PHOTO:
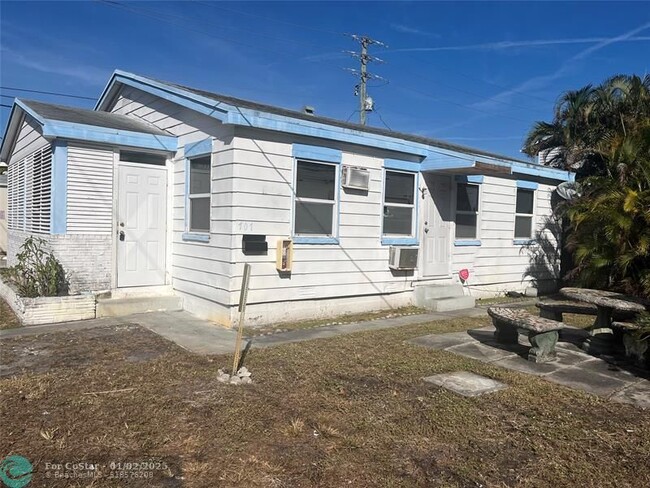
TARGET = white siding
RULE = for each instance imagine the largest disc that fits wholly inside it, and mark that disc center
(29, 139)
(201, 271)
(262, 204)
(90, 190)
(499, 264)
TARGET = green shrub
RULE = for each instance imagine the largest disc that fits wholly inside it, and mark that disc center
(38, 272)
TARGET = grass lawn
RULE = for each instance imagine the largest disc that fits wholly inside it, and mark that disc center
(347, 411)
(7, 318)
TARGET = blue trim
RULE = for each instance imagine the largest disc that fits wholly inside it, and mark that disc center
(477, 179)
(206, 106)
(59, 196)
(199, 148)
(399, 241)
(467, 242)
(401, 165)
(544, 172)
(253, 118)
(315, 240)
(68, 130)
(437, 159)
(317, 153)
(189, 236)
(523, 242)
(528, 185)
(187, 196)
(29, 111)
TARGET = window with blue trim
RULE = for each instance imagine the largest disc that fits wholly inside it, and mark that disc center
(316, 199)
(198, 194)
(467, 208)
(399, 204)
(524, 213)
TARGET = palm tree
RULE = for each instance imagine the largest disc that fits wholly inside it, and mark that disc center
(603, 134)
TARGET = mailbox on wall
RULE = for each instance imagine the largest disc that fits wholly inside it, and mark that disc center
(284, 256)
(254, 244)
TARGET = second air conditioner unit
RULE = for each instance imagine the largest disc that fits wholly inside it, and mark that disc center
(402, 257)
(356, 178)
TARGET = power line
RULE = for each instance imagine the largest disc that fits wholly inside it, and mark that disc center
(41, 92)
(4, 105)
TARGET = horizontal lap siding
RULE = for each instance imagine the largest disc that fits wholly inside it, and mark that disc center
(199, 269)
(262, 204)
(28, 141)
(90, 190)
(498, 261)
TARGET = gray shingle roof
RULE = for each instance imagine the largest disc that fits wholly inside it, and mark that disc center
(91, 117)
(239, 102)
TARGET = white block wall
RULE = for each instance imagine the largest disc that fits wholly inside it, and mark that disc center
(85, 258)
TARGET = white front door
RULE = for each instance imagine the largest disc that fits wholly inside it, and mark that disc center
(436, 236)
(141, 225)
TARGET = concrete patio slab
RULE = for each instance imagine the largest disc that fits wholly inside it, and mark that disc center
(574, 368)
(482, 352)
(522, 365)
(465, 383)
(598, 384)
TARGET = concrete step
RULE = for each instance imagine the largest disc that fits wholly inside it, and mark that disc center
(424, 293)
(447, 304)
(118, 307)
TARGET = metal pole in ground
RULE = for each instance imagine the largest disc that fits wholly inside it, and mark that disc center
(243, 296)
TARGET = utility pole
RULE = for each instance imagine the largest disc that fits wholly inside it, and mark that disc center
(361, 89)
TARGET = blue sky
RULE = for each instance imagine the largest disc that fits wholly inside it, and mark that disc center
(477, 74)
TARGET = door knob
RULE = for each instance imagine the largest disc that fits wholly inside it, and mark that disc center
(122, 236)
(426, 229)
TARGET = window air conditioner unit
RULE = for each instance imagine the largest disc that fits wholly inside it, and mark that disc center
(356, 178)
(400, 257)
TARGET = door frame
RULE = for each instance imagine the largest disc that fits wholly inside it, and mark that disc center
(429, 203)
(167, 215)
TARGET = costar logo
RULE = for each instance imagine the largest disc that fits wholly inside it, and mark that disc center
(15, 471)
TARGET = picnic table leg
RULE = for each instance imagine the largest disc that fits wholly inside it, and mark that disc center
(601, 335)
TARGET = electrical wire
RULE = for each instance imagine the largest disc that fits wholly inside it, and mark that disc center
(41, 92)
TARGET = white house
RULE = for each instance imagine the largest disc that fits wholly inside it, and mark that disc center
(170, 190)
(3, 215)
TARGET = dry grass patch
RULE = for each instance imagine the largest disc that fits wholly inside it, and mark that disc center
(347, 411)
(8, 319)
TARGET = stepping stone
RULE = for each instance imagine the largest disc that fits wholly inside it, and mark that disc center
(441, 341)
(465, 383)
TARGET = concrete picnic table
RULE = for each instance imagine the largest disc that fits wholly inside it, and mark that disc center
(607, 302)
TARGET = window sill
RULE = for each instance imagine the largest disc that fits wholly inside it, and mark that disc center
(523, 242)
(194, 237)
(467, 242)
(315, 240)
(399, 241)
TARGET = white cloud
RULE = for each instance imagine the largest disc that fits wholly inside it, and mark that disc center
(407, 29)
(46, 63)
(504, 45)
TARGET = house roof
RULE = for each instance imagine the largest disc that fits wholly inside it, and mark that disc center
(84, 116)
(252, 105)
(72, 123)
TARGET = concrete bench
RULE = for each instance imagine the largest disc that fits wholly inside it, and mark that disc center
(636, 345)
(542, 332)
(553, 309)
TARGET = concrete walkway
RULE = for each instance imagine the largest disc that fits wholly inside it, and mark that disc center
(203, 337)
(574, 368)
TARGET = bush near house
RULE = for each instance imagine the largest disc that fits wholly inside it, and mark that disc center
(603, 134)
(38, 272)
